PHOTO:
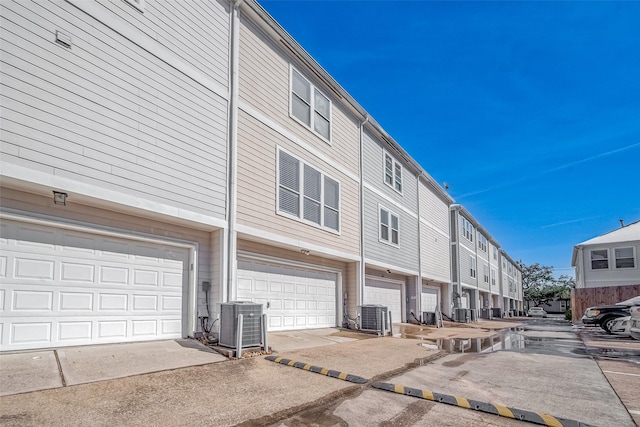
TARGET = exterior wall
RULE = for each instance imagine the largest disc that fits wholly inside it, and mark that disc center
(265, 126)
(264, 91)
(84, 114)
(435, 242)
(405, 255)
(377, 193)
(611, 276)
(494, 264)
(27, 204)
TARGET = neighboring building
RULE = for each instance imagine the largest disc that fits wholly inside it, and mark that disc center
(608, 260)
(160, 160)
(122, 114)
(510, 284)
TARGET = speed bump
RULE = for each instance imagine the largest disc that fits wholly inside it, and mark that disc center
(318, 370)
(503, 411)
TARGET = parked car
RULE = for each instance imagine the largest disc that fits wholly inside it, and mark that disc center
(536, 312)
(634, 327)
(621, 326)
(605, 315)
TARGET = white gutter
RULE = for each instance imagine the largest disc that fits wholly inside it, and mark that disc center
(418, 312)
(232, 173)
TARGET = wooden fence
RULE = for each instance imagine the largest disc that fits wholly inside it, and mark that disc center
(583, 298)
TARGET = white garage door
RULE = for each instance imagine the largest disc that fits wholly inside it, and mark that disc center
(292, 298)
(62, 287)
(385, 293)
(429, 299)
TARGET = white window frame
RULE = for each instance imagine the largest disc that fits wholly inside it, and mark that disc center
(591, 258)
(495, 253)
(390, 213)
(138, 4)
(493, 277)
(313, 88)
(300, 217)
(473, 267)
(467, 229)
(485, 273)
(395, 178)
(615, 258)
(482, 243)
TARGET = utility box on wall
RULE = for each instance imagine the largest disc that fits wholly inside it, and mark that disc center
(251, 323)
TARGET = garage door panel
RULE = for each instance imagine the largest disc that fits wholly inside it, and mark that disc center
(385, 293)
(61, 287)
(429, 299)
(293, 297)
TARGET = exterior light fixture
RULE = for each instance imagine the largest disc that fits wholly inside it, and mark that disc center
(60, 198)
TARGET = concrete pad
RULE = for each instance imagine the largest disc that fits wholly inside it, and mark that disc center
(543, 334)
(293, 340)
(103, 362)
(28, 371)
(366, 358)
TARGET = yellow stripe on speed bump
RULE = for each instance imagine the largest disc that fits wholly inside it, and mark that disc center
(278, 359)
(551, 420)
(307, 367)
(463, 403)
(399, 389)
(324, 371)
(504, 411)
(343, 375)
(428, 395)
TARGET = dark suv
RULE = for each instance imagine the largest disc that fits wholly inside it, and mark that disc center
(605, 315)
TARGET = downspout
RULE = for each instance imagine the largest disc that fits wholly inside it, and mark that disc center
(419, 284)
(361, 282)
(232, 173)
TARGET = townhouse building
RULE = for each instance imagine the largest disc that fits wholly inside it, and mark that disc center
(160, 159)
(483, 274)
(113, 169)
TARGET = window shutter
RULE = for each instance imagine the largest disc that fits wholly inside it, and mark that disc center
(312, 191)
(331, 204)
(289, 184)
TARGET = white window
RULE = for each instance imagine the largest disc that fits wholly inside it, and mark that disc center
(493, 277)
(472, 266)
(600, 259)
(485, 271)
(392, 173)
(467, 229)
(482, 242)
(625, 257)
(307, 194)
(310, 106)
(389, 227)
(495, 253)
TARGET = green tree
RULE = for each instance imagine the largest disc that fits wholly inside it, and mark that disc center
(540, 287)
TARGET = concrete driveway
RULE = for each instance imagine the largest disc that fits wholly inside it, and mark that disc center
(27, 371)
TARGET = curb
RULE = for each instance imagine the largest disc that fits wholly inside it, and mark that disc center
(318, 370)
(503, 411)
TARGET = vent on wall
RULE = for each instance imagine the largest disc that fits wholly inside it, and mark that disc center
(251, 323)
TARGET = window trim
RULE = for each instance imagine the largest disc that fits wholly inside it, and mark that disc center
(615, 258)
(301, 218)
(495, 253)
(312, 89)
(394, 164)
(467, 229)
(485, 273)
(390, 240)
(591, 259)
(473, 267)
(493, 273)
(482, 242)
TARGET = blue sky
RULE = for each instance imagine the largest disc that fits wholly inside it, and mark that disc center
(529, 111)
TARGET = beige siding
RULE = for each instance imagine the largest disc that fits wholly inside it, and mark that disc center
(433, 209)
(264, 85)
(350, 287)
(106, 112)
(257, 187)
(39, 205)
